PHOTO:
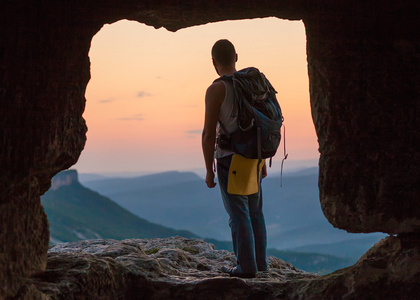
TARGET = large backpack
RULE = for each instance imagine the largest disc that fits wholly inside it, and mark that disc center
(259, 116)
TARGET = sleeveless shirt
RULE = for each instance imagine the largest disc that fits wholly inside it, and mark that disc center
(228, 116)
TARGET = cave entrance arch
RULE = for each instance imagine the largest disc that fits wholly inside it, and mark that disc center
(362, 62)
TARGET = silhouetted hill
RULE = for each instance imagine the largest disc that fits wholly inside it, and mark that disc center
(75, 213)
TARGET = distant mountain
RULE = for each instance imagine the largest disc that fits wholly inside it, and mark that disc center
(312, 262)
(75, 212)
(303, 172)
(181, 200)
(83, 177)
(352, 249)
(174, 199)
(122, 184)
(291, 168)
(294, 215)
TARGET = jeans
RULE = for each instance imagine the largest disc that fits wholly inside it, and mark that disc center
(247, 223)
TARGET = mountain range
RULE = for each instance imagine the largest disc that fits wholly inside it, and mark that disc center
(75, 212)
(181, 200)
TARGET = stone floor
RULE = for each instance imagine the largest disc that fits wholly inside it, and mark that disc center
(169, 268)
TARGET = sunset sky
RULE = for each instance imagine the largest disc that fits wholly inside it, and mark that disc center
(145, 100)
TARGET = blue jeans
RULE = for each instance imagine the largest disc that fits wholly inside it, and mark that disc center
(247, 223)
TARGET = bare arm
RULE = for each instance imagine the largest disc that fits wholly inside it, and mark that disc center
(215, 96)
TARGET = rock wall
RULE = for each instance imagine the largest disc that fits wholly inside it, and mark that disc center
(363, 62)
(44, 72)
(364, 87)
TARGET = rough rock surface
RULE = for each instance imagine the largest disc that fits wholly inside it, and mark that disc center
(364, 86)
(180, 268)
(363, 65)
(170, 268)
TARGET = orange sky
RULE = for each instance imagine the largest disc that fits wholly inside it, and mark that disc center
(145, 101)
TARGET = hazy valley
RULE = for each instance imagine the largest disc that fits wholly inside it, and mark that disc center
(179, 203)
(181, 200)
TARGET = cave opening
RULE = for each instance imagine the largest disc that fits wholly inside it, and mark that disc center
(145, 99)
(145, 105)
(145, 110)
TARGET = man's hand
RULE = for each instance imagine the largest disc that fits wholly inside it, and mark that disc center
(210, 179)
(264, 171)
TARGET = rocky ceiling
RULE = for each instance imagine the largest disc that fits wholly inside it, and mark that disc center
(363, 65)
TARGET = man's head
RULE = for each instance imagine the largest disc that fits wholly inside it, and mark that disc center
(224, 54)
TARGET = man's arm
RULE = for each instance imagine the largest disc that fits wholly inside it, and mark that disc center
(215, 96)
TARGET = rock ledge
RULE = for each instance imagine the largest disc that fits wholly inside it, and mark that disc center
(181, 268)
(169, 268)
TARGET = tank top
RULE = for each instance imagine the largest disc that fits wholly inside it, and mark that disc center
(228, 116)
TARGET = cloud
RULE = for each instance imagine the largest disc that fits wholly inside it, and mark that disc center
(196, 131)
(142, 94)
(106, 100)
(138, 117)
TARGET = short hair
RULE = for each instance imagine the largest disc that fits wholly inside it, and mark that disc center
(224, 52)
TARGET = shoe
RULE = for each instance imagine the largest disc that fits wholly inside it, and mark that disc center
(233, 272)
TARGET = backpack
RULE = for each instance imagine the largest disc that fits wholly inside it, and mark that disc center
(259, 116)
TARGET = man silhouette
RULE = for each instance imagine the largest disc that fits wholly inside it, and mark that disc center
(246, 218)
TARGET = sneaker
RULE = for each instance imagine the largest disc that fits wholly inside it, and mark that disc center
(233, 272)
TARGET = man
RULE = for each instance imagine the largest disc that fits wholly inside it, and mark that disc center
(246, 219)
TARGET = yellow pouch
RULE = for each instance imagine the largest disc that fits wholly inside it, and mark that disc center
(243, 178)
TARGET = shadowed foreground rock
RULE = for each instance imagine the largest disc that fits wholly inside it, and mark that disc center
(180, 268)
